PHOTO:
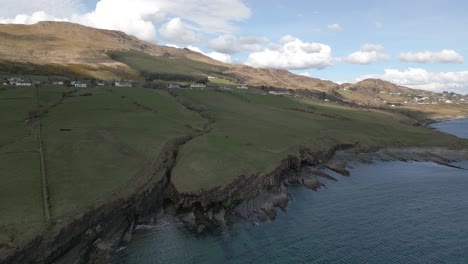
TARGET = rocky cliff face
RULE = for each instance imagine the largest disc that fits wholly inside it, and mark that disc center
(94, 237)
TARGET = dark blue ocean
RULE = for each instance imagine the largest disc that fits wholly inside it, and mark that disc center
(388, 212)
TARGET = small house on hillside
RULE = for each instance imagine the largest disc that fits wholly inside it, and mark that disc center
(80, 84)
(173, 86)
(279, 93)
(16, 81)
(122, 84)
(23, 83)
(197, 85)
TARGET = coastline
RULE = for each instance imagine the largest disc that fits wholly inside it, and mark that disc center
(431, 121)
(95, 236)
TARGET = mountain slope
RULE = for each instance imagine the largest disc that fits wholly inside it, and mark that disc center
(375, 92)
(78, 51)
(278, 78)
(66, 44)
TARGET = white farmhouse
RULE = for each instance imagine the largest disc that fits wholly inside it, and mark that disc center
(278, 93)
(80, 85)
(197, 85)
(122, 84)
(173, 86)
(18, 81)
(23, 83)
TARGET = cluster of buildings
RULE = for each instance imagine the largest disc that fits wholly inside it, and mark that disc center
(279, 92)
(387, 97)
(17, 81)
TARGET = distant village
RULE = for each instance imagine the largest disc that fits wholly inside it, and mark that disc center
(398, 98)
(392, 99)
(21, 81)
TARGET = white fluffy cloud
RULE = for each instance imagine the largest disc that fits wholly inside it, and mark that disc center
(444, 56)
(293, 55)
(422, 79)
(31, 19)
(368, 54)
(220, 56)
(138, 17)
(335, 27)
(229, 44)
(214, 55)
(306, 74)
(177, 31)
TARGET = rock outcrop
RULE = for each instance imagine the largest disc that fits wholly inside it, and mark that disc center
(94, 237)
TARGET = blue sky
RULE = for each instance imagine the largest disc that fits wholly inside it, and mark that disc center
(421, 44)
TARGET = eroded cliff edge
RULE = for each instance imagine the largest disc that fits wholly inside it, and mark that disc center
(92, 238)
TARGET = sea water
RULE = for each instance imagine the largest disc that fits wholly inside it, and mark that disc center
(387, 212)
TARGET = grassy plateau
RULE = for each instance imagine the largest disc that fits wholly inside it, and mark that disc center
(99, 144)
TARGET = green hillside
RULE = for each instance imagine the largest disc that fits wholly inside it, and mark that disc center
(167, 68)
(253, 132)
(99, 144)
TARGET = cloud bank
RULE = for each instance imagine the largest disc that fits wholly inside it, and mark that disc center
(183, 20)
(177, 31)
(368, 54)
(293, 54)
(444, 56)
(214, 55)
(229, 44)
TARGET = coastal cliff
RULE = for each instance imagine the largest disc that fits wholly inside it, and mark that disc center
(94, 237)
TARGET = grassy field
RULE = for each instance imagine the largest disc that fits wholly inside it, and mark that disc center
(99, 144)
(20, 188)
(222, 81)
(166, 68)
(102, 143)
(435, 112)
(252, 133)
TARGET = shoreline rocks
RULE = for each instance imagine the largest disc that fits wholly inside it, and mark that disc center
(96, 236)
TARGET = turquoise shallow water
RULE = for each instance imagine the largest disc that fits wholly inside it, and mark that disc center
(390, 212)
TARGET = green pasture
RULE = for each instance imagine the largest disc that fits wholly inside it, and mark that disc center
(166, 68)
(253, 132)
(101, 144)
